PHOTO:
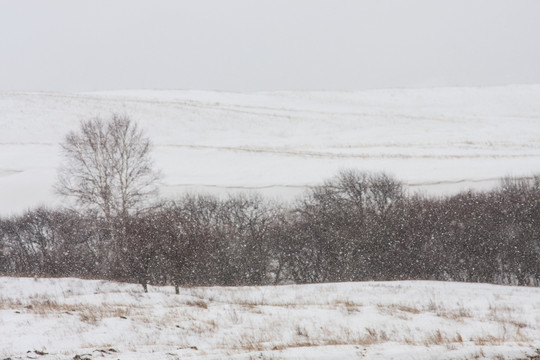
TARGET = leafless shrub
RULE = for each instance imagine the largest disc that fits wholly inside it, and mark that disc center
(354, 227)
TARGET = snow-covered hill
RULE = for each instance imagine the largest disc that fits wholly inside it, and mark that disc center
(278, 143)
(88, 319)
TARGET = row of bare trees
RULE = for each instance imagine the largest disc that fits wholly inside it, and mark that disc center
(354, 227)
(365, 227)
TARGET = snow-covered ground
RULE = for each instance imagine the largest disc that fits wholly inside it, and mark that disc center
(438, 140)
(88, 319)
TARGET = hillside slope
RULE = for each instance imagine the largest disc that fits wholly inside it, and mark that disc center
(278, 143)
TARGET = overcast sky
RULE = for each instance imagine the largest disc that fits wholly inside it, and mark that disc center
(257, 45)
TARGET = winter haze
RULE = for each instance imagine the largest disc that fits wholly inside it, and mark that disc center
(274, 97)
(241, 45)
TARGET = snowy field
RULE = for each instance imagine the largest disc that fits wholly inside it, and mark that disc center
(279, 143)
(88, 319)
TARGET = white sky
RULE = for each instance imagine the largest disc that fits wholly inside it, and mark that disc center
(254, 45)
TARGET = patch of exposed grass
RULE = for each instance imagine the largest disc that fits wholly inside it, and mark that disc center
(198, 303)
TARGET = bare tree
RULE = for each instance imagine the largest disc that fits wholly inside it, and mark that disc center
(107, 167)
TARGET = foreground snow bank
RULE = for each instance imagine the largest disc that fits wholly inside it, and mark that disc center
(89, 319)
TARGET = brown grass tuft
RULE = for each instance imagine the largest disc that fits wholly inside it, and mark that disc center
(198, 303)
(436, 338)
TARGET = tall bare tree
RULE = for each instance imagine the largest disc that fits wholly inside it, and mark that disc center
(108, 167)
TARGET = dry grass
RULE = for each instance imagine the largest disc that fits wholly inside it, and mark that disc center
(10, 304)
(237, 321)
(91, 314)
(436, 338)
(349, 305)
(303, 339)
(403, 312)
(459, 314)
(487, 340)
(198, 303)
(440, 338)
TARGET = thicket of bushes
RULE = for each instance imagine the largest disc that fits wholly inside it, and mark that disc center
(354, 227)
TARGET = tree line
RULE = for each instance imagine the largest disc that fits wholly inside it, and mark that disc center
(354, 227)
